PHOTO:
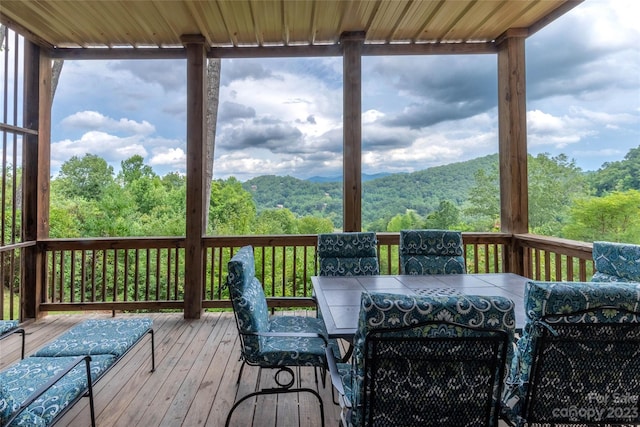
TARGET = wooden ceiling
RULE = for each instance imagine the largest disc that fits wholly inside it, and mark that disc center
(263, 23)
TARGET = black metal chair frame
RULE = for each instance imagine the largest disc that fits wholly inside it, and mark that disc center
(550, 336)
(498, 339)
(283, 386)
(15, 331)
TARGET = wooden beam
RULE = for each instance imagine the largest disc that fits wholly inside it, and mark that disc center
(352, 131)
(196, 89)
(514, 203)
(302, 51)
(36, 180)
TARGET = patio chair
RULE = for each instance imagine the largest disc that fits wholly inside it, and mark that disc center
(578, 360)
(348, 254)
(274, 342)
(426, 361)
(431, 252)
(616, 262)
(10, 327)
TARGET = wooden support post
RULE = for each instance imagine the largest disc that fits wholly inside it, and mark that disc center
(196, 135)
(352, 131)
(36, 151)
(514, 200)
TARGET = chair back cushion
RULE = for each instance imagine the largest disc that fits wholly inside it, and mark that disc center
(246, 293)
(577, 323)
(348, 254)
(450, 391)
(431, 252)
(616, 262)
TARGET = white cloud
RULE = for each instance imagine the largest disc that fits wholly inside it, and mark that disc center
(96, 121)
(583, 88)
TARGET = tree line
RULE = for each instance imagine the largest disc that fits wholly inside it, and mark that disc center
(88, 199)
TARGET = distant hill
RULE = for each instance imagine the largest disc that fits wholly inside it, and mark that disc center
(365, 177)
(383, 197)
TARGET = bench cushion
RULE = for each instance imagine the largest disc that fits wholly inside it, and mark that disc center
(98, 336)
(20, 380)
(7, 325)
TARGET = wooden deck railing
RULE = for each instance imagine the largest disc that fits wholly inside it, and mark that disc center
(553, 259)
(148, 273)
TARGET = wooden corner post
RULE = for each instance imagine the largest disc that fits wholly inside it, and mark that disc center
(512, 121)
(196, 140)
(352, 130)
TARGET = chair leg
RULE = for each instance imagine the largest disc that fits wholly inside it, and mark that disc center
(21, 332)
(278, 391)
(240, 373)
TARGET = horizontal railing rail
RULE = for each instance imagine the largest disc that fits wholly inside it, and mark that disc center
(554, 259)
(147, 273)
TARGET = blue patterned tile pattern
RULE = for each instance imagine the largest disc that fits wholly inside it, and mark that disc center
(431, 252)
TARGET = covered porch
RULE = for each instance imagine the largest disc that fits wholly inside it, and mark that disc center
(185, 273)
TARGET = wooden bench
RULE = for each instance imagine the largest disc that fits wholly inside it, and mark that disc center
(38, 390)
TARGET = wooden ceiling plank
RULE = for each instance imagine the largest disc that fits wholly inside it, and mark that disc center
(251, 23)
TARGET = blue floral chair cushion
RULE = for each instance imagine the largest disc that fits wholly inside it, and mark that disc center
(562, 301)
(262, 346)
(387, 311)
(431, 252)
(20, 380)
(616, 262)
(7, 325)
(348, 254)
(98, 336)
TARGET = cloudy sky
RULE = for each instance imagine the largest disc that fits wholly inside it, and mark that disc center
(283, 116)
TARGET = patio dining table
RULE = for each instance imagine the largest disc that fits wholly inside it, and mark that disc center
(339, 296)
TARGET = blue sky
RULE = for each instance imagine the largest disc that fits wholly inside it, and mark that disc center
(283, 116)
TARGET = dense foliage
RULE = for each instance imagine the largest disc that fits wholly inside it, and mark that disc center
(88, 200)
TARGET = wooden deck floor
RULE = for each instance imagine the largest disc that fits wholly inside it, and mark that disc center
(194, 383)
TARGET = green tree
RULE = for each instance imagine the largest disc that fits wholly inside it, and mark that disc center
(231, 208)
(554, 183)
(483, 205)
(620, 176)
(314, 225)
(614, 217)
(409, 220)
(134, 169)
(85, 177)
(447, 216)
(276, 221)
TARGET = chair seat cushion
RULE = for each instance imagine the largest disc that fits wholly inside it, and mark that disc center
(98, 336)
(292, 351)
(21, 379)
(7, 325)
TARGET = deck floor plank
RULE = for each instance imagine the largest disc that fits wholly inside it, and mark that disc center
(197, 365)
